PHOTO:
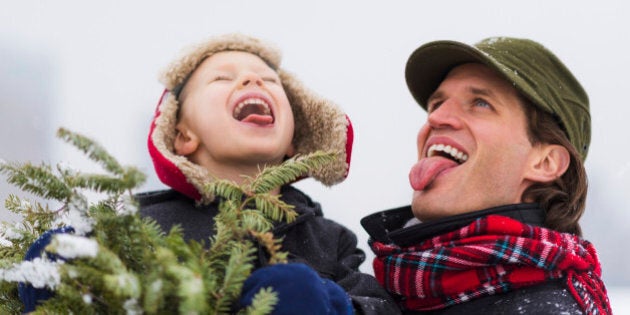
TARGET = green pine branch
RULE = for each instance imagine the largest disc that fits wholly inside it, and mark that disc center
(121, 263)
(273, 177)
(39, 180)
(92, 149)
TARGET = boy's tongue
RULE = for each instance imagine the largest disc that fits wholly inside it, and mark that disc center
(258, 119)
(424, 172)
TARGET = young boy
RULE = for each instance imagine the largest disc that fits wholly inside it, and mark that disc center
(228, 111)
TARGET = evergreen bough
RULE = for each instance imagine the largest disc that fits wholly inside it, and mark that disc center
(119, 263)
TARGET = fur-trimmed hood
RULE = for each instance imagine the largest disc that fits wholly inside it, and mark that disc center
(319, 123)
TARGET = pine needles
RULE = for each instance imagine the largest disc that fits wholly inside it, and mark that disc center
(124, 264)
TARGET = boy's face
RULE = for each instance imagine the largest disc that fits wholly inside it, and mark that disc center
(234, 113)
(480, 115)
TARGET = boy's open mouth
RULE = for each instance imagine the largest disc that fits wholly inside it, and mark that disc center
(253, 110)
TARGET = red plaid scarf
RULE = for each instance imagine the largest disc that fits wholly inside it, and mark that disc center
(494, 254)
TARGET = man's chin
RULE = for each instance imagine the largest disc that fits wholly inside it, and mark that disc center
(424, 211)
(429, 209)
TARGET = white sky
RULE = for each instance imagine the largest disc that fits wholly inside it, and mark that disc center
(106, 56)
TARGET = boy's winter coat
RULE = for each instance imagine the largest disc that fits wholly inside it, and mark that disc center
(327, 247)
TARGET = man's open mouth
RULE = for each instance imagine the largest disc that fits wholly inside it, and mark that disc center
(448, 152)
(253, 110)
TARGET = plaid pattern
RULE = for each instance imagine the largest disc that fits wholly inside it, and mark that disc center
(494, 254)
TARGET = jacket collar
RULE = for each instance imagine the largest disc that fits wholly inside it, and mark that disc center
(389, 226)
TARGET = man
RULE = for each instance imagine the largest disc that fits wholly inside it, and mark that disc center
(499, 187)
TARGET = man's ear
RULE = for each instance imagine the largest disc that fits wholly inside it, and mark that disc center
(549, 161)
(186, 142)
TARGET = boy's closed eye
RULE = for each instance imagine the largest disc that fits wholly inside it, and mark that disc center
(221, 77)
(270, 79)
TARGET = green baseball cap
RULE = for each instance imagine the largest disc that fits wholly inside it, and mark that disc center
(532, 69)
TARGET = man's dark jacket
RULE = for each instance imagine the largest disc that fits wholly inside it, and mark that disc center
(326, 246)
(553, 297)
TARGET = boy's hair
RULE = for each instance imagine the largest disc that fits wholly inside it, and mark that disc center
(320, 125)
(563, 199)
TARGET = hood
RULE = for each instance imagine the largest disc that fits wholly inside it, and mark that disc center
(319, 123)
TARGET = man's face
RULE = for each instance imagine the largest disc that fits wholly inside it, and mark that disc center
(473, 151)
(235, 109)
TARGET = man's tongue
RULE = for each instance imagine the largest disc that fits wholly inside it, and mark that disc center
(258, 119)
(425, 171)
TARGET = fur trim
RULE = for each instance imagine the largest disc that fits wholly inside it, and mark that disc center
(176, 74)
(319, 123)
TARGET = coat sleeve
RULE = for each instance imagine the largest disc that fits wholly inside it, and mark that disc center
(368, 296)
(331, 249)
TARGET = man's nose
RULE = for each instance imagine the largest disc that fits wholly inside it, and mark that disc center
(448, 114)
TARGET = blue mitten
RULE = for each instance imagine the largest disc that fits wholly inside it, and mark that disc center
(28, 294)
(300, 290)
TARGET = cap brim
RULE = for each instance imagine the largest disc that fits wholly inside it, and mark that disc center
(430, 63)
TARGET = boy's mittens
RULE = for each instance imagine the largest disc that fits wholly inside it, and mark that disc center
(28, 294)
(300, 290)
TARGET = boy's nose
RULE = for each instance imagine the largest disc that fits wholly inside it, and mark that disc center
(251, 78)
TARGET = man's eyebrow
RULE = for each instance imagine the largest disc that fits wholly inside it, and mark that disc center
(473, 90)
(480, 91)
